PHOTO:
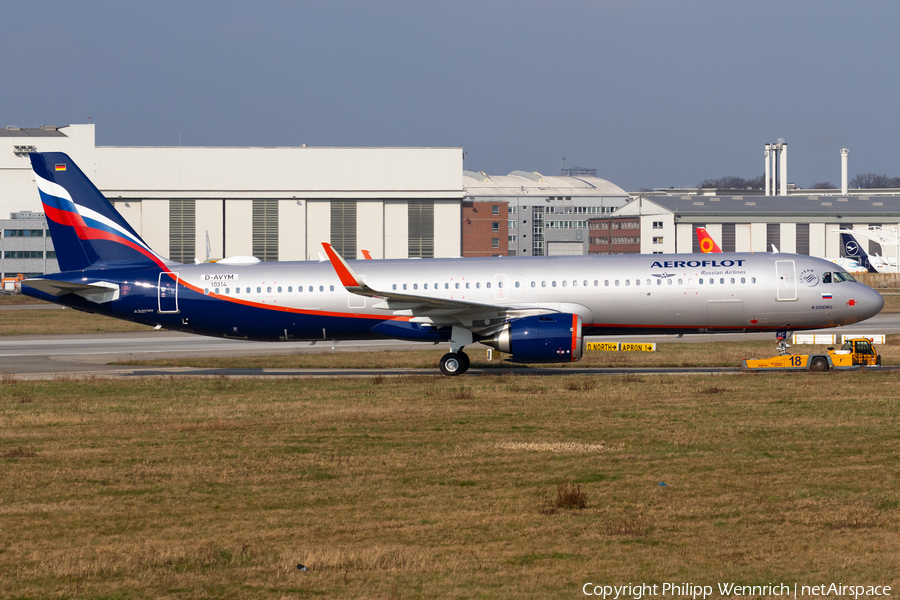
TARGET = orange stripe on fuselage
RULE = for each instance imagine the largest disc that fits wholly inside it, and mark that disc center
(287, 309)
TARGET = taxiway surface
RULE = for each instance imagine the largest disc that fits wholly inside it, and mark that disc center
(90, 354)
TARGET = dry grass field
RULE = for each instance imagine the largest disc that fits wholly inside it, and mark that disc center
(432, 487)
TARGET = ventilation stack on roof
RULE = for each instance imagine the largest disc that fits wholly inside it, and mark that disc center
(845, 155)
(772, 170)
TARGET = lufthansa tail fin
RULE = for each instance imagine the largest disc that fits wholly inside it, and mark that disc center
(853, 249)
(86, 230)
(707, 244)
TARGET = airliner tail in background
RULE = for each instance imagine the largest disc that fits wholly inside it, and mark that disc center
(854, 250)
(707, 243)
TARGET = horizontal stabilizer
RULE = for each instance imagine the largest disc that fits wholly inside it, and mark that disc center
(99, 291)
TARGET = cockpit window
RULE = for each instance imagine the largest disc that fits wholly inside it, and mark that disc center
(836, 277)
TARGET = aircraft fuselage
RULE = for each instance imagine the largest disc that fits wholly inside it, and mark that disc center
(625, 294)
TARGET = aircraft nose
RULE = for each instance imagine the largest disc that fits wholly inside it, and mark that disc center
(871, 302)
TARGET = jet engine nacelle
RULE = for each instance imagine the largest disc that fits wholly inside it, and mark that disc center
(549, 338)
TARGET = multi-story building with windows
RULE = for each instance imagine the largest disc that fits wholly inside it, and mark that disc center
(25, 245)
(529, 214)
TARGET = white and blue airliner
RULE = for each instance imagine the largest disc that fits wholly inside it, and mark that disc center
(537, 309)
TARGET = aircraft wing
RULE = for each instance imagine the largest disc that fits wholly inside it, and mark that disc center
(425, 309)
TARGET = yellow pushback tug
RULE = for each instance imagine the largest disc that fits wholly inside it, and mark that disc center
(855, 353)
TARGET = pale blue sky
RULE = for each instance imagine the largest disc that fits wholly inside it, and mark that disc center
(650, 93)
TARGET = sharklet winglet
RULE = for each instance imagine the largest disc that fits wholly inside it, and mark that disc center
(350, 280)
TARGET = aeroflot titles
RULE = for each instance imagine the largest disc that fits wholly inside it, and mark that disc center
(674, 264)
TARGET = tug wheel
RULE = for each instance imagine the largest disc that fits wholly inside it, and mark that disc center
(818, 364)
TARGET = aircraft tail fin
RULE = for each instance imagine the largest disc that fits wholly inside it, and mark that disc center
(707, 243)
(86, 230)
(853, 249)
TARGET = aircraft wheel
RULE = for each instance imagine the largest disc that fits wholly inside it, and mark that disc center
(465, 361)
(818, 364)
(452, 364)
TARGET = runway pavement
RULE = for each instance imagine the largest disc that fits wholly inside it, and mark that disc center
(89, 354)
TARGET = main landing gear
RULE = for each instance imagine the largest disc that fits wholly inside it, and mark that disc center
(456, 362)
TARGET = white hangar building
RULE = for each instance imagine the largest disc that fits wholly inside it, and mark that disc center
(801, 224)
(273, 203)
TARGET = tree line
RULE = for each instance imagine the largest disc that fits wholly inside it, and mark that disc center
(861, 181)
